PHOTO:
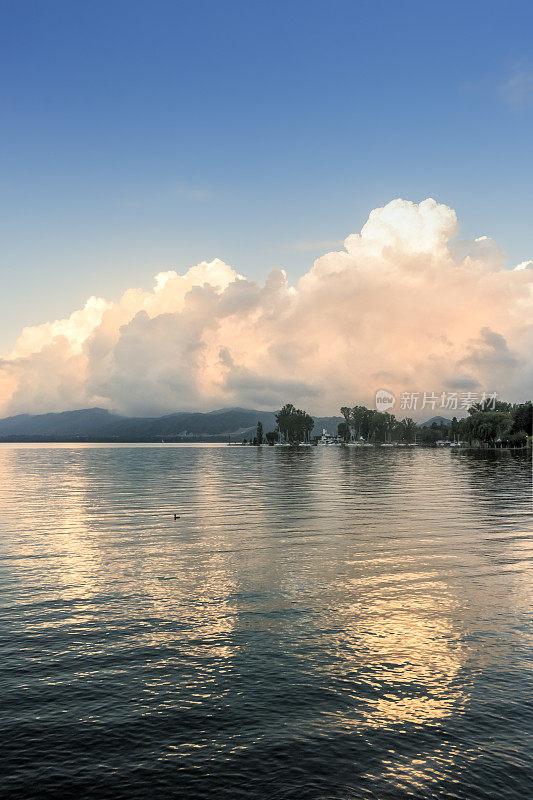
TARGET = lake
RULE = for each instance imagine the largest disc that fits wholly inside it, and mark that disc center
(319, 623)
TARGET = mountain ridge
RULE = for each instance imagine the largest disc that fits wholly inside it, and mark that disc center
(98, 424)
(438, 420)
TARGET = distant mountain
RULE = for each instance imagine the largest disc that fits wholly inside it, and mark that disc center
(97, 424)
(438, 420)
(89, 421)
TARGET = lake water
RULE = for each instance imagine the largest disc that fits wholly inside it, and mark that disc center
(319, 623)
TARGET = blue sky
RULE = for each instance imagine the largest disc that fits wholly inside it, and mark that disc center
(140, 136)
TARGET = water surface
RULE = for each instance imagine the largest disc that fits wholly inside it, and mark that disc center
(319, 623)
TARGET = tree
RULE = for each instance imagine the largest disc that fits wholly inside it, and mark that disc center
(454, 427)
(486, 426)
(360, 421)
(508, 424)
(307, 424)
(259, 434)
(430, 434)
(346, 413)
(522, 418)
(294, 424)
(285, 420)
(488, 406)
(343, 430)
(389, 425)
(378, 426)
(405, 429)
(374, 425)
(516, 439)
(465, 429)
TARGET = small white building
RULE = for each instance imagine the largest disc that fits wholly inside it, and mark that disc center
(329, 439)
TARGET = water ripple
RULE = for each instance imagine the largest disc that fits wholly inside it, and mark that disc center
(317, 624)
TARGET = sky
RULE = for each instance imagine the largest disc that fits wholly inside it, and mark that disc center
(143, 137)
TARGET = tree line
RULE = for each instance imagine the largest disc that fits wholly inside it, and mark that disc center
(502, 424)
(507, 424)
(375, 426)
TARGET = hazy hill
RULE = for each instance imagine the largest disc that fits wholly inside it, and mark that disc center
(97, 424)
(87, 422)
(439, 420)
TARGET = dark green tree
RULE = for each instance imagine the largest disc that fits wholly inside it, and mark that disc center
(343, 430)
(294, 424)
(347, 414)
(405, 430)
(454, 428)
(486, 427)
(522, 418)
(360, 418)
(487, 406)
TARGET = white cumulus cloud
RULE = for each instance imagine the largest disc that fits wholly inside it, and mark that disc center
(400, 306)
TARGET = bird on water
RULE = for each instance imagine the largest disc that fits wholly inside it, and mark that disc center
(176, 516)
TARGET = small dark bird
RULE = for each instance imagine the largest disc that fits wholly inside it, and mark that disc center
(176, 516)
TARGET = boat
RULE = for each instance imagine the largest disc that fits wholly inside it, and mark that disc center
(327, 440)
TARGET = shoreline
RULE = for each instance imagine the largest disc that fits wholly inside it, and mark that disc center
(6, 443)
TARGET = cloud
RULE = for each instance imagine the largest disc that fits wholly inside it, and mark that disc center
(398, 307)
(490, 356)
(517, 90)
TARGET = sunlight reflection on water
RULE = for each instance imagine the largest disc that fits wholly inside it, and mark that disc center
(318, 623)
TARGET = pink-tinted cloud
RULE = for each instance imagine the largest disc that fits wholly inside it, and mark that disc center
(401, 306)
